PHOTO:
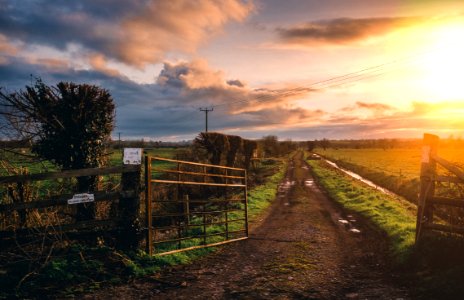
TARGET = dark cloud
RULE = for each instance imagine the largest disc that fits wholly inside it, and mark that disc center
(375, 107)
(342, 30)
(169, 107)
(235, 82)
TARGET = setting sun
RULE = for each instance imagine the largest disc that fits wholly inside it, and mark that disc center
(443, 63)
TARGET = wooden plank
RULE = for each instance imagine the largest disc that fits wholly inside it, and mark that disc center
(58, 228)
(448, 165)
(148, 207)
(69, 173)
(451, 179)
(35, 238)
(447, 201)
(56, 201)
(427, 185)
(245, 194)
(445, 228)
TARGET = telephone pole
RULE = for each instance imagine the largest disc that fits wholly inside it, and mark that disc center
(206, 110)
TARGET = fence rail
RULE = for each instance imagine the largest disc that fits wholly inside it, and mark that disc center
(208, 206)
(126, 199)
(69, 174)
(428, 180)
(195, 223)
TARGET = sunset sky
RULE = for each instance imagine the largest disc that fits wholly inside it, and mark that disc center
(340, 69)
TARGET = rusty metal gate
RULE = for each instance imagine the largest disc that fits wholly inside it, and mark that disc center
(192, 205)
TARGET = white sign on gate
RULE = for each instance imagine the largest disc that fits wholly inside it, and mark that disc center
(132, 156)
(81, 198)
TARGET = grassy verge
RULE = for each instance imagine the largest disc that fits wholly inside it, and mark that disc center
(261, 196)
(407, 187)
(392, 215)
(434, 269)
(78, 268)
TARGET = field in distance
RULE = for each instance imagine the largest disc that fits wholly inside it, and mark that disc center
(397, 162)
(11, 162)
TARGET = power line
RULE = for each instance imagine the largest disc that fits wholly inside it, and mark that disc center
(326, 83)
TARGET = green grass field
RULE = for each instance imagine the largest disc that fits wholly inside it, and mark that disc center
(395, 169)
(11, 163)
(396, 162)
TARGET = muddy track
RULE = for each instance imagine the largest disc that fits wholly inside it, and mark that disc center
(297, 250)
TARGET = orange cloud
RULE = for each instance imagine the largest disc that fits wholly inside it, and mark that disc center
(6, 47)
(195, 75)
(48, 63)
(200, 85)
(99, 63)
(174, 26)
(422, 117)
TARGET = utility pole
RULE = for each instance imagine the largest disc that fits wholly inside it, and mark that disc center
(119, 143)
(206, 110)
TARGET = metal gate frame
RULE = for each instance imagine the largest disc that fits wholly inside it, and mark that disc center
(209, 175)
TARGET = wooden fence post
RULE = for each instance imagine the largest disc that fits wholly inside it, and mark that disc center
(427, 184)
(129, 211)
(86, 211)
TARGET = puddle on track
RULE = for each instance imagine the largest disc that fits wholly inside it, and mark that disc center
(309, 182)
(348, 224)
(284, 187)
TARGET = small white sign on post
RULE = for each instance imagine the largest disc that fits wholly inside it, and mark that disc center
(132, 156)
(81, 198)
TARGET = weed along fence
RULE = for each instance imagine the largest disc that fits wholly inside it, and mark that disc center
(48, 204)
(192, 205)
(439, 192)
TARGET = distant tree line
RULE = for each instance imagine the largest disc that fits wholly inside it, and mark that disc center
(378, 143)
(141, 143)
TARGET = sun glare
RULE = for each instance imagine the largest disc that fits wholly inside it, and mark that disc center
(443, 63)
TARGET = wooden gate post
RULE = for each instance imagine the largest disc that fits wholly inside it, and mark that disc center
(427, 184)
(129, 209)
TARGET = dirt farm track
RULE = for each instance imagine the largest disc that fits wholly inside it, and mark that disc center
(300, 248)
